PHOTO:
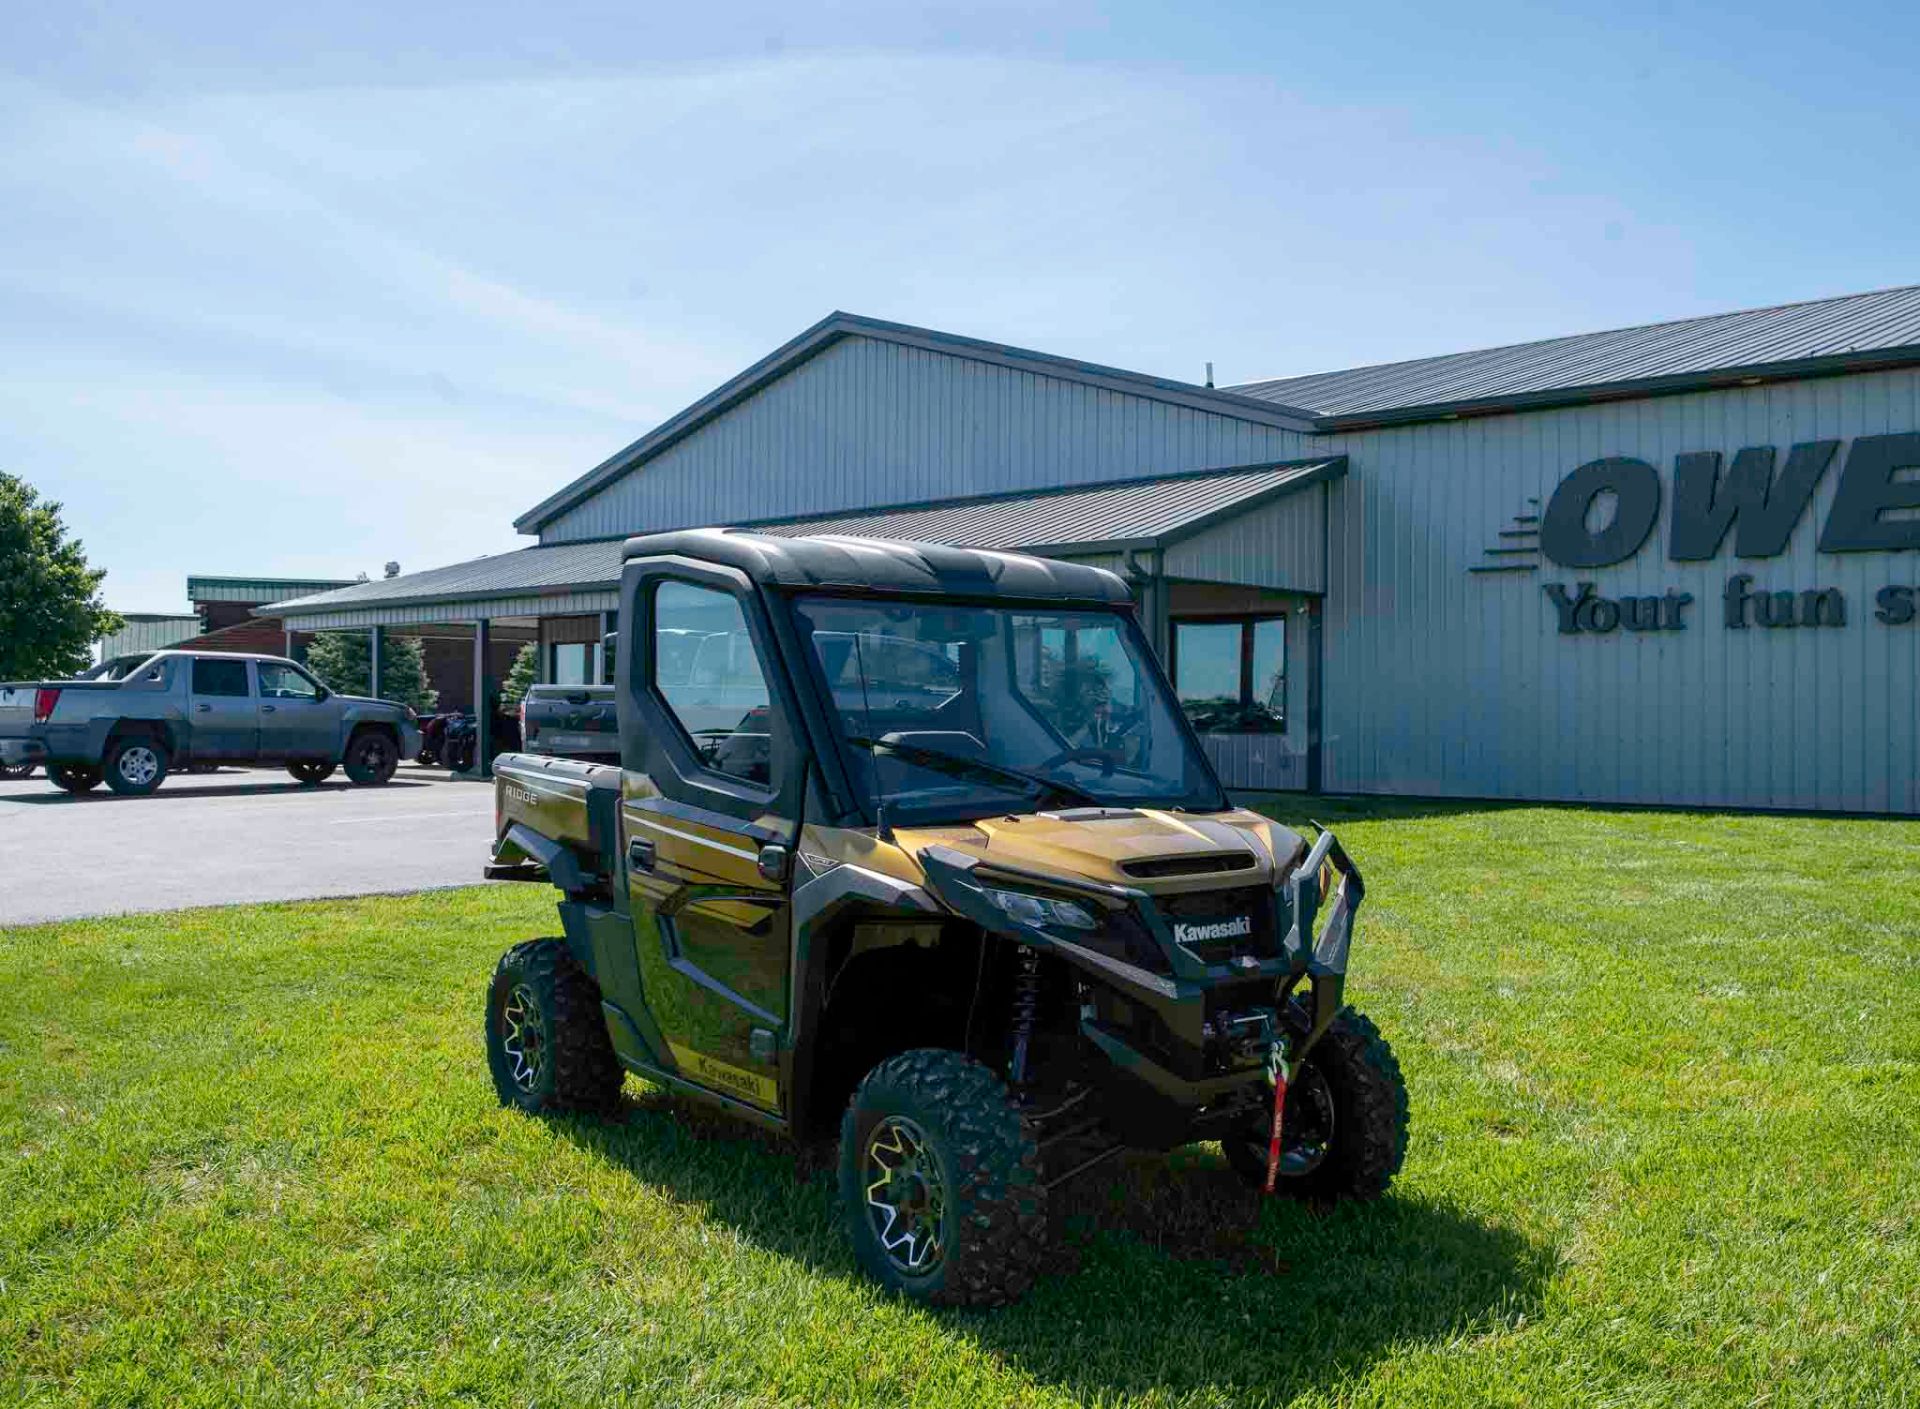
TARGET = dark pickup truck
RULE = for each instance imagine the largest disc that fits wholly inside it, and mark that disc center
(570, 721)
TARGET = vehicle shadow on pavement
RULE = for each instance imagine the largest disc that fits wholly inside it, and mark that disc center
(1166, 1274)
(170, 792)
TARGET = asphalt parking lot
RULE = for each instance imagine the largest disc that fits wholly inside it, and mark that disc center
(239, 835)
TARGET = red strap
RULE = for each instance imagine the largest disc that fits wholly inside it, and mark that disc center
(1273, 1145)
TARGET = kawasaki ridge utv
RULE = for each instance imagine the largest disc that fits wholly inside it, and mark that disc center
(917, 841)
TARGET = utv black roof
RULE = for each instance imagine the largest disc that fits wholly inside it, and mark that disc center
(838, 563)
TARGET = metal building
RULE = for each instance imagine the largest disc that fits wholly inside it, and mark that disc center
(1669, 564)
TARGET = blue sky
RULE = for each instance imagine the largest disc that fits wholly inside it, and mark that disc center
(297, 293)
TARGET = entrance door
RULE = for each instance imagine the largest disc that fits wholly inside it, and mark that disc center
(224, 714)
(294, 720)
(709, 831)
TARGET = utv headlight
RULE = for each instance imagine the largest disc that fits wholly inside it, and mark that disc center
(1037, 911)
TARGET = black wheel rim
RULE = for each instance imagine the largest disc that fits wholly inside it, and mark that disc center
(906, 1196)
(375, 754)
(523, 1038)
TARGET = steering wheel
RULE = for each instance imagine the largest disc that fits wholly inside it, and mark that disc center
(1102, 757)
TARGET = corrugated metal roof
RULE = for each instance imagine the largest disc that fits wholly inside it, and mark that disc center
(561, 566)
(1137, 512)
(1134, 512)
(1826, 334)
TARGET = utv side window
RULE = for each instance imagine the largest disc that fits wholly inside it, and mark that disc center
(707, 671)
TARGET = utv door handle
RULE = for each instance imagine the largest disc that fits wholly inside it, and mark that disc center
(640, 854)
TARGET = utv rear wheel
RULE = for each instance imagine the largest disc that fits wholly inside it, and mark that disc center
(311, 772)
(75, 778)
(939, 1182)
(547, 1039)
(136, 764)
(372, 757)
(1344, 1134)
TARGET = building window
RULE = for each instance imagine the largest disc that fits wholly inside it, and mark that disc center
(572, 663)
(1231, 673)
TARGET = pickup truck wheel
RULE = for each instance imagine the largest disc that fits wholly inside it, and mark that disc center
(371, 758)
(547, 1040)
(75, 778)
(310, 772)
(940, 1182)
(1344, 1134)
(136, 764)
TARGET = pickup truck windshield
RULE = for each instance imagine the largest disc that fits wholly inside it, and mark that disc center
(1055, 706)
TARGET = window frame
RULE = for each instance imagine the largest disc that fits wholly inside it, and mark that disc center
(764, 658)
(251, 692)
(1247, 622)
(319, 690)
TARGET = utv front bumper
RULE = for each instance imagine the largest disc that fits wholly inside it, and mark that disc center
(1192, 1026)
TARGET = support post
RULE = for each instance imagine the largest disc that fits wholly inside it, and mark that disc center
(1316, 657)
(376, 639)
(289, 633)
(602, 667)
(482, 706)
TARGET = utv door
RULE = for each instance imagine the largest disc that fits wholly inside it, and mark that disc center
(710, 815)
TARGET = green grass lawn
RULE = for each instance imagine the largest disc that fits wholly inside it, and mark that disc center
(1666, 1150)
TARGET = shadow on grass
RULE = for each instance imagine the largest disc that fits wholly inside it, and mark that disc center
(1166, 1273)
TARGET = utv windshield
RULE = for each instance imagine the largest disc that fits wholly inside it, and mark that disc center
(949, 713)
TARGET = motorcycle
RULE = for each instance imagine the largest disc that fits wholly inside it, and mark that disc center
(459, 740)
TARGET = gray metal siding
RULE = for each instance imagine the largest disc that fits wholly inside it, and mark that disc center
(148, 634)
(1442, 682)
(1282, 544)
(869, 424)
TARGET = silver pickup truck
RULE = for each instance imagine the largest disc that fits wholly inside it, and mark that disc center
(130, 720)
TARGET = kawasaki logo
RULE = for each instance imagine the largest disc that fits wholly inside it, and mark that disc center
(1239, 927)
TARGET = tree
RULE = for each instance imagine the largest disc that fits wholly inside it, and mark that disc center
(523, 676)
(50, 607)
(344, 661)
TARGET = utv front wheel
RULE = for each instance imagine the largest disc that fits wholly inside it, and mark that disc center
(1344, 1133)
(939, 1182)
(547, 1039)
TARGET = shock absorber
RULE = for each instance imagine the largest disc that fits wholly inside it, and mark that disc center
(1026, 1010)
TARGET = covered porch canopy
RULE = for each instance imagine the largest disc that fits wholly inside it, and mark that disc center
(1190, 538)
